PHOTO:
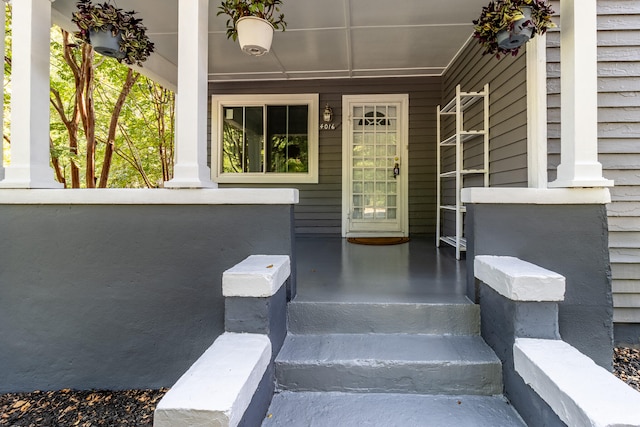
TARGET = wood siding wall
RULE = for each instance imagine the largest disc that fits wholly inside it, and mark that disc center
(320, 207)
(618, 140)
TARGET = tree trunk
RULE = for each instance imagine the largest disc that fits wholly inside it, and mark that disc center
(87, 109)
(56, 166)
(113, 126)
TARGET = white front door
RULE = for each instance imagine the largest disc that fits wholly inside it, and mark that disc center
(375, 160)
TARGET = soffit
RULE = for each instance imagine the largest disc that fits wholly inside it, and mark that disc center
(324, 39)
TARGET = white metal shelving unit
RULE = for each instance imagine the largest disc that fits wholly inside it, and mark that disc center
(456, 107)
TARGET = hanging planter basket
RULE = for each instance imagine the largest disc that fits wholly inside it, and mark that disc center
(519, 35)
(252, 23)
(97, 23)
(505, 25)
(105, 43)
(255, 35)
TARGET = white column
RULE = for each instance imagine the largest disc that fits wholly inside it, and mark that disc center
(579, 166)
(537, 112)
(191, 170)
(30, 97)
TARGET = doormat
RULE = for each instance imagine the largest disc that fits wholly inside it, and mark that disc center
(378, 240)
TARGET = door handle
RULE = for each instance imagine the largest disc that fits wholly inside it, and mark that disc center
(396, 168)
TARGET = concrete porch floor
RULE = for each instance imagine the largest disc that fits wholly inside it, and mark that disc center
(331, 269)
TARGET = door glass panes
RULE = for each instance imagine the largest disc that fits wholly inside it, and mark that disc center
(374, 150)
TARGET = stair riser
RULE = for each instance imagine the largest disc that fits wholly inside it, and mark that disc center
(345, 318)
(379, 377)
(389, 410)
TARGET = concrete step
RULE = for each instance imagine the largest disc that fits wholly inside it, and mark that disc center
(454, 316)
(289, 409)
(388, 363)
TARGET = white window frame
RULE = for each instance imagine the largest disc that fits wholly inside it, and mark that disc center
(218, 102)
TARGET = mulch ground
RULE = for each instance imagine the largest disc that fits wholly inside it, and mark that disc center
(135, 407)
(626, 365)
(80, 408)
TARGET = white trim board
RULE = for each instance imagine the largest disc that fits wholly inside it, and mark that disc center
(218, 196)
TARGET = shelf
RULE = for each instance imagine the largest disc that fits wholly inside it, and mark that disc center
(467, 99)
(451, 240)
(452, 174)
(464, 136)
(459, 144)
(463, 209)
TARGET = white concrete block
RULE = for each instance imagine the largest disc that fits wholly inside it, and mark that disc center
(536, 196)
(580, 392)
(519, 280)
(258, 276)
(217, 389)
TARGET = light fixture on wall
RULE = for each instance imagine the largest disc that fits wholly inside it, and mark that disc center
(328, 114)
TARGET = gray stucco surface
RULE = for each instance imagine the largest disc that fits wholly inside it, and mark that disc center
(259, 316)
(120, 296)
(504, 320)
(568, 239)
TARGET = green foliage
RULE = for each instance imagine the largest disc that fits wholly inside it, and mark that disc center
(134, 44)
(145, 136)
(7, 87)
(502, 15)
(264, 9)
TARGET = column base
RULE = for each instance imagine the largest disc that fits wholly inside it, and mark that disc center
(191, 175)
(29, 177)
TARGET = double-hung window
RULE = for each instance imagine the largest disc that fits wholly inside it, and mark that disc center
(265, 138)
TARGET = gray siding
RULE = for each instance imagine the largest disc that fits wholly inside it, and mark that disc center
(618, 140)
(320, 207)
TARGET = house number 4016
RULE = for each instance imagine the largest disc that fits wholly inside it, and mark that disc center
(327, 126)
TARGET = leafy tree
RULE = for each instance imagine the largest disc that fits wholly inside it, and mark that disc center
(110, 125)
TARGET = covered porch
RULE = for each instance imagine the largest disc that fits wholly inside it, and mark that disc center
(212, 228)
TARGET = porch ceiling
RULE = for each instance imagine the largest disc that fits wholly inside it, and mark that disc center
(324, 39)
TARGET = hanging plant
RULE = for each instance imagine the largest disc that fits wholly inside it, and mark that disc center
(505, 25)
(264, 9)
(252, 23)
(130, 42)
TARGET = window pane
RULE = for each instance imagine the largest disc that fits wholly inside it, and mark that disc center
(288, 138)
(242, 139)
(254, 135)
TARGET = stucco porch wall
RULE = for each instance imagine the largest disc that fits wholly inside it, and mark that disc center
(570, 239)
(121, 295)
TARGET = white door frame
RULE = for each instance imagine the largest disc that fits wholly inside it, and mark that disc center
(403, 177)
